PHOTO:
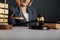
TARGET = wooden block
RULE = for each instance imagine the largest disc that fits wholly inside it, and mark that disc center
(3, 16)
(3, 23)
(2, 5)
(3, 20)
(2, 11)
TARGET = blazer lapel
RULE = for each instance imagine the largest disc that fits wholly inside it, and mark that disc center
(30, 14)
(20, 14)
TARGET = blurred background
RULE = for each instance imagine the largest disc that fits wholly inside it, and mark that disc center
(49, 8)
(51, 11)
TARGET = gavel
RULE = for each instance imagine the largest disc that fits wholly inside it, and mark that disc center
(40, 20)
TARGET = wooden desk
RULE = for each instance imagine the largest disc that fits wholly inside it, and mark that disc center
(50, 25)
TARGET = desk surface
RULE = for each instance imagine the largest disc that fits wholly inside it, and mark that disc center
(23, 33)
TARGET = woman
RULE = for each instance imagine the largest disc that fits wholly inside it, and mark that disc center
(22, 14)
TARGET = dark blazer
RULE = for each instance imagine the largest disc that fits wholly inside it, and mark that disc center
(32, 16)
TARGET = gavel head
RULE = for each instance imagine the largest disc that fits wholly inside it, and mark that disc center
(40, 17)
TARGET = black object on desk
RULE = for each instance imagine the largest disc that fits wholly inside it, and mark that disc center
(40, 21)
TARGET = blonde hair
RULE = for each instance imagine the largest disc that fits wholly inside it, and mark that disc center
(18, 1)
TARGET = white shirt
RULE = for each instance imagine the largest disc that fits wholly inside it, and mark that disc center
(26, 16)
